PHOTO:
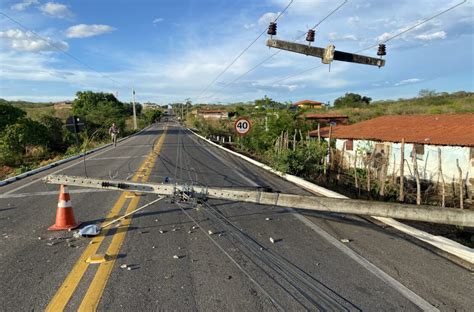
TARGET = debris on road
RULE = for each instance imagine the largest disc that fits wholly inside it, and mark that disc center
(345, 240)
(274, 240)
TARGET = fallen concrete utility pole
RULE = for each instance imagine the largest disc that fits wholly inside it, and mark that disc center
(349, 206)
(323, 53)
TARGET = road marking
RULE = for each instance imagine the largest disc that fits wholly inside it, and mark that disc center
(65, 292)
(402, 289)
(96, 288)
(22, 195)
(67, 289)
(60, 170)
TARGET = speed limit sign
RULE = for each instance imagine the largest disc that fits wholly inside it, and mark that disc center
(242, 126)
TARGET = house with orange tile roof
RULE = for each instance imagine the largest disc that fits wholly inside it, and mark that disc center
(450, 136)
(213, 114)
(307, 104)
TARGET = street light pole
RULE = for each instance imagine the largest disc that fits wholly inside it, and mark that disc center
(134, 113)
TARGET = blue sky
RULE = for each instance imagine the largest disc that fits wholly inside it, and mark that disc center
(171, 50)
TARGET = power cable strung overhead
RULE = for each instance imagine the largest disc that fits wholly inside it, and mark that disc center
(275, 53)
(382, 43)
(241, 53)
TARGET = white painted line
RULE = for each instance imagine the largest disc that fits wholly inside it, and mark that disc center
(72, 165)
(118, 157)
(62, 161)
(48, 193)
(440, 242)
(444, 244)
(403, 290)
(407, 293)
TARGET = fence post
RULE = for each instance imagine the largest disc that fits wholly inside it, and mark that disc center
(402, 171)
(417, 176)
(440, 169)
(461, 186)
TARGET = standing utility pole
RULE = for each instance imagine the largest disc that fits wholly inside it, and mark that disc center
(134, 113)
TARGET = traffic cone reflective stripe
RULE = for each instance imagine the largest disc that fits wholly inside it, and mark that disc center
(64, 213)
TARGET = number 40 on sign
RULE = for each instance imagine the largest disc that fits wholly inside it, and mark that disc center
(242, 126)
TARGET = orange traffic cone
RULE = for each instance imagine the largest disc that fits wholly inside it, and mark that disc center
(64, 214)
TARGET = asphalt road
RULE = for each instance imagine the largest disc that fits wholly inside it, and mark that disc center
(180, 256)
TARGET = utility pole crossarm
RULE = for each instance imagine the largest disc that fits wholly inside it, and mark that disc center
(358, 207)
(319, 52)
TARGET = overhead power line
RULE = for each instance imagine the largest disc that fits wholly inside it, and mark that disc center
(275, 53)
(241, 53)
(373, 46)
(52, 44)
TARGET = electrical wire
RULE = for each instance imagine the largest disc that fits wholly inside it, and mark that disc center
(372, 46)
(52, 44)
(277, 52)
(241, 53)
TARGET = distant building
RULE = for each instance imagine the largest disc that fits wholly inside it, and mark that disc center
(307, 104)
(62, 104)
(213, 114)
(149, 105)
(328, 119)
(452, 134)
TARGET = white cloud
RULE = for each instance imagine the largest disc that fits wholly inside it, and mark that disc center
(353, 20)
(19, 40)
(158, 20)
(432, 36)
(23, 5)
(408, 81)
(248, 26)
(267, 18)
(84, 31)
(56, 9)
(335, 37)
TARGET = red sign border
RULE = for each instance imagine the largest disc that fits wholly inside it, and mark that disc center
(235, 126)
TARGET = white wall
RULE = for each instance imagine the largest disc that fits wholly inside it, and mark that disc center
(427, 163)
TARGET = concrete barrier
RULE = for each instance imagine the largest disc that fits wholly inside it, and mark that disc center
(445, 244)
(62, 161)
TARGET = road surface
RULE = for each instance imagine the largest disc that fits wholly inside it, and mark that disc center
(213, 257)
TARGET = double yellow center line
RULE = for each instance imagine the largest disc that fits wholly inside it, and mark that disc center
(97, 286)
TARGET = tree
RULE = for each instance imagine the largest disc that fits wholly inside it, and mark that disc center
(268, 103)
(17, 137)
(426, 93)
(152, 115)
(352, 100)
(56, 133)
(99, 110)
(10, 115)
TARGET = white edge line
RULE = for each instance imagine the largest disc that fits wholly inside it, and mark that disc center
(406, 292)
(442, 243)
(104, 149)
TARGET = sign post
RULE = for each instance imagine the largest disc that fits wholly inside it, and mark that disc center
(242, 126)
(74, 124)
